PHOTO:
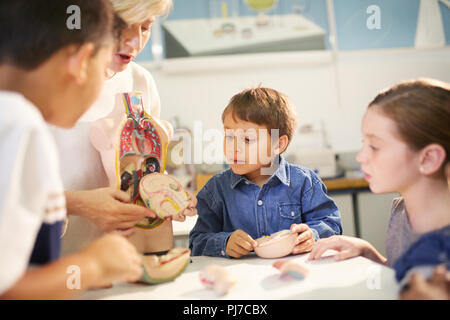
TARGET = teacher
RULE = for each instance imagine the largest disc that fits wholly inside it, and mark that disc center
(94, 206)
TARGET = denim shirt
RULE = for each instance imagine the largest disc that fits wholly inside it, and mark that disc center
(228, 201)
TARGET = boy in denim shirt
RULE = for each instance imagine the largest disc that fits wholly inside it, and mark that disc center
(261, 193)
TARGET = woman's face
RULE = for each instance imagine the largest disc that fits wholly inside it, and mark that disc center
(132, 40)
(388, 163)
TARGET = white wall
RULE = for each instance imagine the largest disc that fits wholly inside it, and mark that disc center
(200, 88)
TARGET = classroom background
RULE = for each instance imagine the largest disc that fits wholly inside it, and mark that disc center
(361, 51)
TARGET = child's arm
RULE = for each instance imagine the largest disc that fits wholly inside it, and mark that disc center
(207, 237)
(347, 247)
(110, 258)
(319, 211)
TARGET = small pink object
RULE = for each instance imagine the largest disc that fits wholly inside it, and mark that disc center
(277, 245)
(292, 269)
(217, 278)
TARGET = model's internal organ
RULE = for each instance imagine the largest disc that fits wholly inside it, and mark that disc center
(276, 245)
(158, 269)
(290, 268)
(141, 151)
(216, 278)
(164, 195)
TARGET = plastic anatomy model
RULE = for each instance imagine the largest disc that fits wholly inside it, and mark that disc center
(138, 143)
(141, 150)
(140, 161)
(158, 269)
(164, 195)
(216, 278)
(277, 245)
(291, 268)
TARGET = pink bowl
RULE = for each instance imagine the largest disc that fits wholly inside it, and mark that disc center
(278, 244)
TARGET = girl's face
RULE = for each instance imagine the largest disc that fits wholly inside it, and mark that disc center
(388, 163)
(132, 40)
(247, 146)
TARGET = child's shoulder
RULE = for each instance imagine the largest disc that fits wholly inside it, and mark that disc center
(217, 186)
(300, 175)
(219, 179)
(18, 112)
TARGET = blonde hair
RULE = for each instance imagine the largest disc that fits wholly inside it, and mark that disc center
(137, 11)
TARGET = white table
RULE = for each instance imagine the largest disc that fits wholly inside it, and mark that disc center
(357, 278)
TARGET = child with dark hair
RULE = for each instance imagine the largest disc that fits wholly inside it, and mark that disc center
(49, 73)
(261, 193)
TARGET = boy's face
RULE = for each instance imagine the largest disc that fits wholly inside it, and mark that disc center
(79, 98)
(247, 146)
(132, 40)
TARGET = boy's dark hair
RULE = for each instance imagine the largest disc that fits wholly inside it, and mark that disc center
(264, 106)
(32, 31)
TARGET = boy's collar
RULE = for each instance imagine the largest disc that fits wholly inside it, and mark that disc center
(282, 173)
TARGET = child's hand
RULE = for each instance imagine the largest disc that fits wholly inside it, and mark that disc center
(436, 288)
(239, 244)
(114, 259)
(191, 209)
(305, 239)
(348, 247)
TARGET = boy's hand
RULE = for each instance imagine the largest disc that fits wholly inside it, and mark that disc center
(114, 259)
(305, 240)
(239, 244)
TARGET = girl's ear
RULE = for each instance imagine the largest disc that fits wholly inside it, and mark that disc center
(78, 61)
(281, 145)
(432, 159)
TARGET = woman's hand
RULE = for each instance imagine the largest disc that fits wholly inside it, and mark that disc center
(108, 208)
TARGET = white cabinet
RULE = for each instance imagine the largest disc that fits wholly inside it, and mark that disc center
(181, 232)
(345, 205)
(374, 214)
